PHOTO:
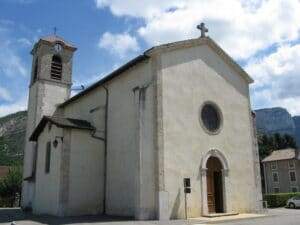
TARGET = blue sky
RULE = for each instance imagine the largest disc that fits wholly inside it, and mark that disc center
(263, 36)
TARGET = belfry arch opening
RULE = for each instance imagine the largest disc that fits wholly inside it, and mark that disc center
(214, 176)
(56, 67)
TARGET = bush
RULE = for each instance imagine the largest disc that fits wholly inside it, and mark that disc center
(10, 187)
(278, 199)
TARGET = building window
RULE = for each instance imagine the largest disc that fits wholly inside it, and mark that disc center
(35, 71)
(294, 189)
(292, 176)
(276, 189)
(48, 157)
(211, 117)
(275, 177)
(273, 165)
(291, 164)
(56, 68)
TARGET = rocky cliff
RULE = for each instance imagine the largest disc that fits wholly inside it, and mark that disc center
(297, 132)
(278, 120)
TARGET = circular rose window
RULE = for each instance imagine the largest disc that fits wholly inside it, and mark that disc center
(211, 117)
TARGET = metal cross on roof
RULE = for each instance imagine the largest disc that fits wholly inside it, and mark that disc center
(203, 29)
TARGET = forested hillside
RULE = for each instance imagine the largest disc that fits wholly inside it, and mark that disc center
(12, 135)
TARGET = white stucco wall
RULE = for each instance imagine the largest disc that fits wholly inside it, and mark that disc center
(86, 174)
(190, 77)
(122, 141)
(47, 185)
(124, 138)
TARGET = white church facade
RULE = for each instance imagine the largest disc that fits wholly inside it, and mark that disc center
(124, 145)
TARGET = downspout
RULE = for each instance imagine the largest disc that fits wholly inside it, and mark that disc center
(105, 149)
(265, 179)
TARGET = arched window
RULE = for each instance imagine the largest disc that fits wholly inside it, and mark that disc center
(35, 71)
(56, 68)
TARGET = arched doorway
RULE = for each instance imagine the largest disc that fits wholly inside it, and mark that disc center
(214, 172)
(214, 181)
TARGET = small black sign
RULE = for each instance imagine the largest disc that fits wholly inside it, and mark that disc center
(187, 182)
(187, 190)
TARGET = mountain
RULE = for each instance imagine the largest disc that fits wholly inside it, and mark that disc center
(297, 132)
(12, 136)
(278, 120)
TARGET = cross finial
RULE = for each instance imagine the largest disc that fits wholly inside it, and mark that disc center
(55, 30)
(203, 29)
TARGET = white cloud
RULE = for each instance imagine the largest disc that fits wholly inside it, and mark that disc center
(11, 64)
(19, 105)
(119, 44)
(25, 42)
(277, 78)
(141, 8)
(5, 94)
(247, 29)
(242, 27)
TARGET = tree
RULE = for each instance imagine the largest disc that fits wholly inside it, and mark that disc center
(269, 143)
(264, 146)
(7, 156)
(11, 185)
(289, 141)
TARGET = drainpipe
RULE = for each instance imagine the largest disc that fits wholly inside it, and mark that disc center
(265, 178)
(105, 149)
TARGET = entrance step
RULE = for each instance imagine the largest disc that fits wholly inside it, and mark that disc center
(213, 215)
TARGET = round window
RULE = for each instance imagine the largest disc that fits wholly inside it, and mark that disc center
(211, 117)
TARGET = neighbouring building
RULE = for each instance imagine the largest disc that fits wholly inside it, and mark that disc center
(282, 171)
(124, 145)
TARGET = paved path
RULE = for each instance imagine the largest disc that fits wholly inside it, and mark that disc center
(274, 217)
(280, 216)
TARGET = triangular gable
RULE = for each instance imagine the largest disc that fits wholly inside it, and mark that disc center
(202, 41)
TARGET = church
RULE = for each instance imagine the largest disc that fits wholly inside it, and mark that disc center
(177, 115)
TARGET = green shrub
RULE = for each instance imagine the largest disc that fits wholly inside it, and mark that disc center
(278, 199)
(10, 187)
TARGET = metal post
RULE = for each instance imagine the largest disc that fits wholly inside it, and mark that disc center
(185, 206)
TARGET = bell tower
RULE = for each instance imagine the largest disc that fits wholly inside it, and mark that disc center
(50, 85)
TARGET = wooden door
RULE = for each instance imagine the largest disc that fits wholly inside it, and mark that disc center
(210, 192)
(214, 185)
(218, 192)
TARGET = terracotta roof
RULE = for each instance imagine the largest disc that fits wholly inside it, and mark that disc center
(281, 154)
(147, 54)
(60, 122)
(55, 38)
(4, 171)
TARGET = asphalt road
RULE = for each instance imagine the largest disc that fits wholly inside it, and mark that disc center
(279, 216)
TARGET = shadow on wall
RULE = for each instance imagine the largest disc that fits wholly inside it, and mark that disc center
(176, 206)
(16, 214)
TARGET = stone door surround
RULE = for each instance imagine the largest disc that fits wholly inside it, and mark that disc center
(203, 171)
